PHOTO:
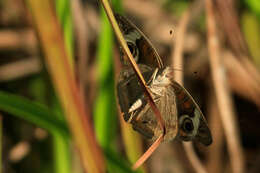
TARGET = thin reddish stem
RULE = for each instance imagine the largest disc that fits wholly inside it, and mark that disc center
(122, 42)
(148, 153)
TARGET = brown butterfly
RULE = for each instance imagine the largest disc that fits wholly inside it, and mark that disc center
(181, 115)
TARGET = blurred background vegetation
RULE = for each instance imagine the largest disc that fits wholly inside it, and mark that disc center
(59, 61)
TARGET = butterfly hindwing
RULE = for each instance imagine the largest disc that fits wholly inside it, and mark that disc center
(192, 124)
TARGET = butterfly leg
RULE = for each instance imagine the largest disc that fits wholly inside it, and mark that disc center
(151, 80)
(137, 104)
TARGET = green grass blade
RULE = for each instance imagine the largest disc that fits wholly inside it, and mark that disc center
(61, 153)
(33, 112)
(39, 115)
(104, 111)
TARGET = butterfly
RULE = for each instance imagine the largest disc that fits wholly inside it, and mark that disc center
(182, 117)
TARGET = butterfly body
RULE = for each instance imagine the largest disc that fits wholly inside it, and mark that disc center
(181, 115)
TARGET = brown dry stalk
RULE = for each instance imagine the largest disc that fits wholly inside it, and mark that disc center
(177, 56)
(237, 72)
(177, 59)
(18, 39)
(148, 153)
(223, 95)
(131, 139)
(215, 153)
(126, 50)
(230, 23)
(251, 69)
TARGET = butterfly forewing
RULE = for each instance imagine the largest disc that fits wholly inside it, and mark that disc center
(129, 89)
(147, 53)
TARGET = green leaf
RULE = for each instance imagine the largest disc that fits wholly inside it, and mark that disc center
(104, 111)
(33, 112)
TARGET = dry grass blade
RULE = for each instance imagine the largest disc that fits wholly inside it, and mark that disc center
(177, 56)
(193, 158)
(122, 42)
(215, 153)
(20, 69)
(132, 140)
(13, 39)
(177, 59)
(148, 153)
(251, 69)
(237, 72)
(223, 95)
(230, 23)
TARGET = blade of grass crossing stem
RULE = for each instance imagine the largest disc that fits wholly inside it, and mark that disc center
(129, 56)
(65, 85)
(132, 141)
(105, 108)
